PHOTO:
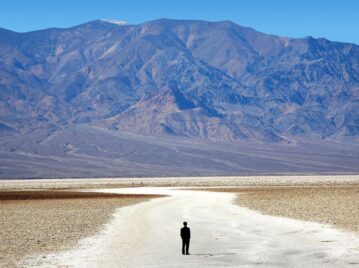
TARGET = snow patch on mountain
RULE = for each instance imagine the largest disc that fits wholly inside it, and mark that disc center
(117, 22)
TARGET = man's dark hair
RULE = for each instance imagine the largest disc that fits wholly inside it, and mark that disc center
(185, 223)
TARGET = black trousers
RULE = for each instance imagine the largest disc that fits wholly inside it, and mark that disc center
(185, 245)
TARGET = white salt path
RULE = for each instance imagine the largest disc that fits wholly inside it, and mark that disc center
(223, 235)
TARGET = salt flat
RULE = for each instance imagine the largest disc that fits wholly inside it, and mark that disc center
(223, 234)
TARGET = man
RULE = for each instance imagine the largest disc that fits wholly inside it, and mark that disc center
(186, 236)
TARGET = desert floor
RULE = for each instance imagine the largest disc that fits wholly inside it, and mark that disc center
(44, 221)
(337, 205)
(235, 222)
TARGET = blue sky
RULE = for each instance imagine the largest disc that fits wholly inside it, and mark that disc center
(334, 19)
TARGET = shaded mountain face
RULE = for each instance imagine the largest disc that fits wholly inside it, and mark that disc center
(180, 78)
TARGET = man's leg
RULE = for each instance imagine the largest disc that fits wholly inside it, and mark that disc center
(183, 245)
(187, 247)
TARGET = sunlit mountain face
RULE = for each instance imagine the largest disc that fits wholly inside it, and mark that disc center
(188, 78)
(182, 79)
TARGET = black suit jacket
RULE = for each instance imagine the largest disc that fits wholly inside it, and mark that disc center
(185, 233)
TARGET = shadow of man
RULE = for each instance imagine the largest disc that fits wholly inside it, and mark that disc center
(186, 236)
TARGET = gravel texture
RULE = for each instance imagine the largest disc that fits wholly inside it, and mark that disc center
(43, 221)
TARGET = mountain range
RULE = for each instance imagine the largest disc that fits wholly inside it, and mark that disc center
(179, 81)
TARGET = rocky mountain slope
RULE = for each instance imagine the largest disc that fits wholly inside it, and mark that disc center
(189, 78)
(178, 79)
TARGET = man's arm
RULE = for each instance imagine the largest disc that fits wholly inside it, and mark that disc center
(189, 232)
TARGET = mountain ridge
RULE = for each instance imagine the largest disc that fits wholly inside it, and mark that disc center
(181, 79)
(238, 63)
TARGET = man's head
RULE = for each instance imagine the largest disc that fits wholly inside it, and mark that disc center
(185, 223)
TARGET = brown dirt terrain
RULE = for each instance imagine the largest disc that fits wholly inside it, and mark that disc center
(337, 205)
(42, 221)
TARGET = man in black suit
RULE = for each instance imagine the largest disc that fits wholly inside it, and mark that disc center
(186, 236)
